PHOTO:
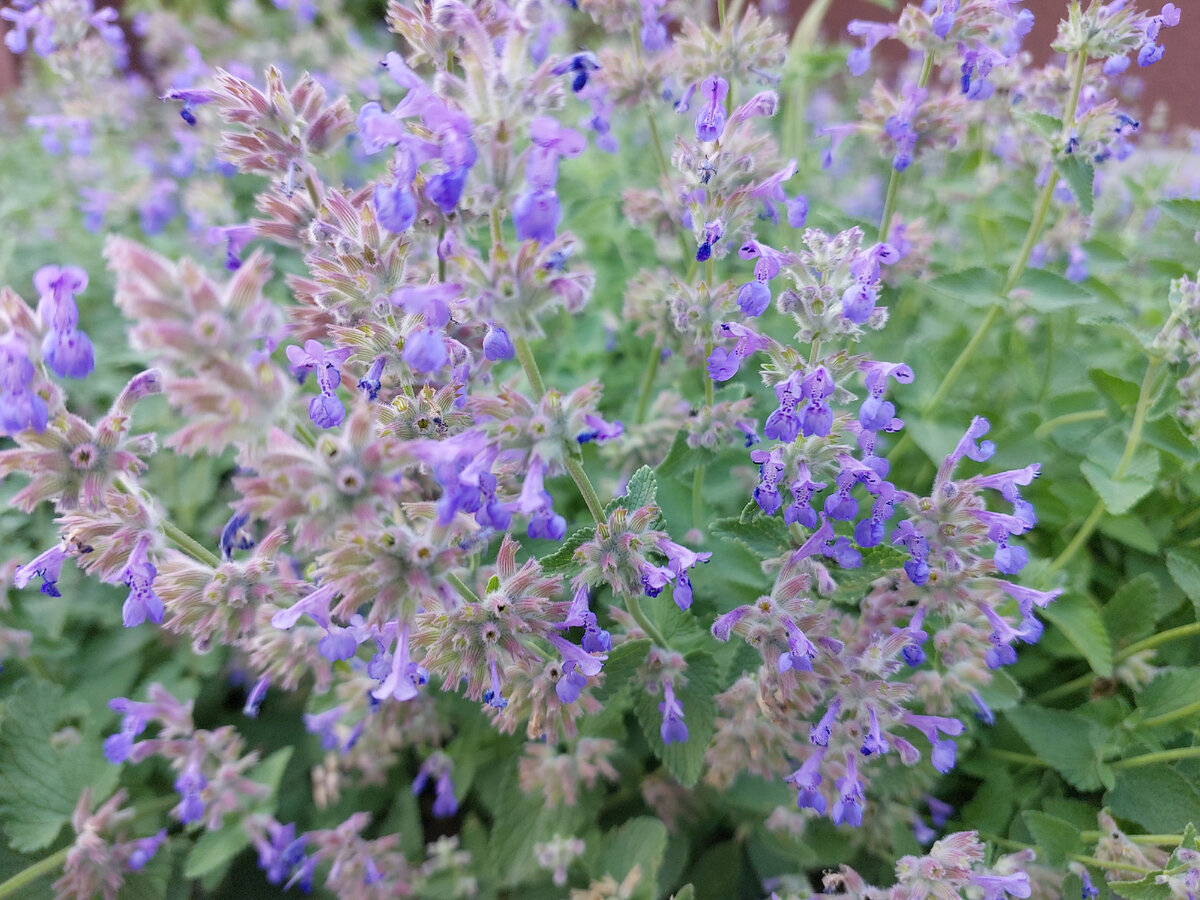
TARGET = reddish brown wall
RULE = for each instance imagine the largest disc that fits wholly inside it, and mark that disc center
(1172, 79)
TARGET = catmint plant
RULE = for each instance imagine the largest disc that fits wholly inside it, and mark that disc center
(599, 449)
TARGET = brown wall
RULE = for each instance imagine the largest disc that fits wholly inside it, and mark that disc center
(1173, 78)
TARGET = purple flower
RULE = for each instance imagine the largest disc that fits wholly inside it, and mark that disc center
(797, 211)
(822, 731)
(282, 852)
(46, 566)
(492, 696)
(859, 59)
(536, 214)
(402, 675)
(396, 206)
(570, 684)
(325, 410)
(580, 65)
(371, 383)
(67, 350)
(847, 809)
(710, 122)
(444, 804)
(673, 730)
(723, 364)
(425, 350)
(256, 696)
(725, 624)
(497, 345)
(806, 779)
(144, 850)
(189, 785)
(142, 603)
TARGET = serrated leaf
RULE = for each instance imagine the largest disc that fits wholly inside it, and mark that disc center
(1121, 494)
(1184, 566)
(623, 661)
(41, 779)
(1067, 741)
(1157, 797)
(563, 558)
(215, 849)
(270, 771)
(1056, 838)
(682, 459)
(1170, 691)
(639, 842)
(1083, 626)
(684, 760)
(765, 536)
(974, 287)
(641, 491)
(1144, 889)
(877, 562)
(523, 820)
(1081, 176)
(1185, 212)
(1049, 292)
(1129, 613)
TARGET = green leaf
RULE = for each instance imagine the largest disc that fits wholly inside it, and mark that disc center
(878, 562)
(1083, 626)
(1120, 494)
(623, 662)
(1185, 212)
(215, 849)
(1129, 613)
(270, 771)
(687, 892)
(764, 536)
(523, 820)
(974, 287)
(41, 777)
(563, 559)
(1157, 797)
(1048, 292)
(1184, 566)
(639, 842)
(642, 491)
(1067, 741)
(1081, 176)
(682, 459)
(684, 760)
(1056, 838)
(1144, 889)
(1170, 691)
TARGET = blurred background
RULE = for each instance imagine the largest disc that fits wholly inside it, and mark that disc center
(1172, 79)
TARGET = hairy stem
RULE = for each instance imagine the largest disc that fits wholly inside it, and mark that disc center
(40, 869)
(634, 608)
(189, 544)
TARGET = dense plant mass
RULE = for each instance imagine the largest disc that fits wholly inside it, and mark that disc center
(605, 449)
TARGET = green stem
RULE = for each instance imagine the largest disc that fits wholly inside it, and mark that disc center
(530, 366)
(1041, 210)
(1087, 415)
(1171, 634)
(893, 188)
(1149, 759)
(306, 435)
(461, 586)
(39, 869)
(647, 385)
(698, 498)
(189, 544)
(1078, 857)
(1182, 713)
(635, 610)
(1131, 445)
(1024, 759)
(1155, 839)
(1064, 689)
(590, 497)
